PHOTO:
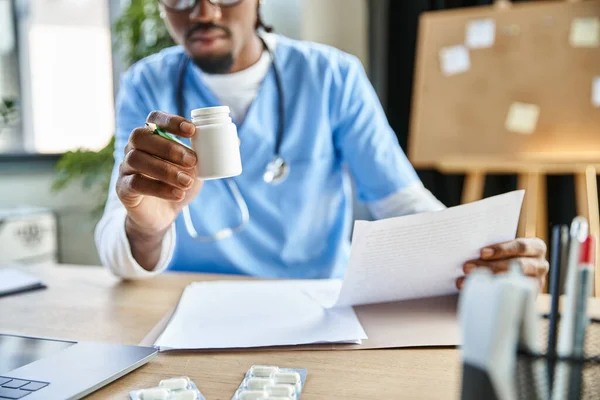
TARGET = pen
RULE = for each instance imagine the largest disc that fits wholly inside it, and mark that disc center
(564, 257)
(555, 270)
(581, 318)
(586, 270)
(577, 236)
(155, 129)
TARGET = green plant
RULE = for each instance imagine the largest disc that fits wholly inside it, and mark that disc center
(138, 33)
(91, 167)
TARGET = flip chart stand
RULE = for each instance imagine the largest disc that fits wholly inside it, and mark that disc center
(532, 178)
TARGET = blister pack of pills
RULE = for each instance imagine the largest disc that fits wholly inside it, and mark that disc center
(268, 382)
(181, 388)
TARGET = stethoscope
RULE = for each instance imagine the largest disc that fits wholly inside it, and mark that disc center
(276, 171)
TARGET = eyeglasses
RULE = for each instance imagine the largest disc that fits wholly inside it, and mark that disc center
(189, 5)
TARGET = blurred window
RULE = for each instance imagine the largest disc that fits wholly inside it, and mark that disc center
(64, 77)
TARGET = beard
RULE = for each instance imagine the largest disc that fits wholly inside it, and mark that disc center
(214, 64)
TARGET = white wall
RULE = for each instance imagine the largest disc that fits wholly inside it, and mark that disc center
(284, 16)
(339, 23)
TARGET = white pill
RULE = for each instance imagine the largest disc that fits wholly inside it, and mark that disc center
(259, 383)
(252, 395)
(264, 371)
(155, 394)
(291, 378)
(281, 390)
(189, 394)
(175, 383)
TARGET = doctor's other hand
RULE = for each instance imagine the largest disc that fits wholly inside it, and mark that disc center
(529, 252)
(157, 179)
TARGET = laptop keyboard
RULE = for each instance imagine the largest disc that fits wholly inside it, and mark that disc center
(18, 388)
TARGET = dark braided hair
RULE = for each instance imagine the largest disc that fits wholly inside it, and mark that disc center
(260, 23)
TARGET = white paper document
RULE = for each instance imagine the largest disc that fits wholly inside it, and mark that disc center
(422, 255)
(217, 315)
(480, 33)
(412, 257)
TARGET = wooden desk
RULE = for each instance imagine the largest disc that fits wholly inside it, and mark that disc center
(87, 303)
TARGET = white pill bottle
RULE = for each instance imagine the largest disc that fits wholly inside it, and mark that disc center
(216, 143)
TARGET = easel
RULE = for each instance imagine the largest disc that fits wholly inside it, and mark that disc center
(458, 121)
(532, 178)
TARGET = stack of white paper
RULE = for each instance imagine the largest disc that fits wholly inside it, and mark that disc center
(215, 315)
(412, 257)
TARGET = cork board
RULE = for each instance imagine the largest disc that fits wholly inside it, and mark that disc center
(532, 61)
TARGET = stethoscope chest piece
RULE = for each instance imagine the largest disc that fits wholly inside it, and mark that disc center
(277, 171)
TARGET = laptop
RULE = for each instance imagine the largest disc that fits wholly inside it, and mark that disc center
(38, 368)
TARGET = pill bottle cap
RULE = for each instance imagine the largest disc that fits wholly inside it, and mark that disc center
(208, 111)
(211, 116)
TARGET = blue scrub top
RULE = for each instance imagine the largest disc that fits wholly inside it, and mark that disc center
(334, 124)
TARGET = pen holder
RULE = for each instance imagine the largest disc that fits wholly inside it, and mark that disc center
(567, 378)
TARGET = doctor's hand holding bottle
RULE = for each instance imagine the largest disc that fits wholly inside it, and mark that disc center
(157, 179)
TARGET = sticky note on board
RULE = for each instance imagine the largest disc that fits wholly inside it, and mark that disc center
(455, 60)
(481, 33)
(596, 92)
(585, 32)
(522, 118)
